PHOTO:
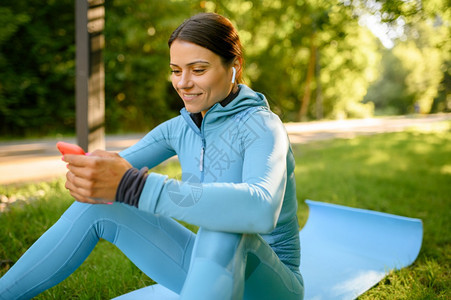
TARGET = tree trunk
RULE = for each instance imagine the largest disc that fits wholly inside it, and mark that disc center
(302, 116)
(319, 90)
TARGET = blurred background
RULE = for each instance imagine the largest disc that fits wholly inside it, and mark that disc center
(314, 60)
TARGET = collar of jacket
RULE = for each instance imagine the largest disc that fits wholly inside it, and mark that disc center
(218, 114)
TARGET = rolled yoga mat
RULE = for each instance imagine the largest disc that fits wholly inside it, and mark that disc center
(344, 252)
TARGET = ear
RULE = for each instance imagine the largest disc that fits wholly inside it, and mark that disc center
(237, 64)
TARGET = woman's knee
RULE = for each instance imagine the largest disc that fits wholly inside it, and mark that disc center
(220, 247)
(94, 212)
(98, 218)
(78, 210)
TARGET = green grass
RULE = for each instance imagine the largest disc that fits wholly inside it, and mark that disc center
(407, 173)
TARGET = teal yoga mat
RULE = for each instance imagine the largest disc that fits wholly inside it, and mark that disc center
(345, 251)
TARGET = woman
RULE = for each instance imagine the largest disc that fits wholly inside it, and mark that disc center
(237, 185)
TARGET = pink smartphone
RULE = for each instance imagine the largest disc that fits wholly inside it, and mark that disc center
(66, 148)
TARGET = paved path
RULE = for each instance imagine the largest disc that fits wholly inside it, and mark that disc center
(36, 160)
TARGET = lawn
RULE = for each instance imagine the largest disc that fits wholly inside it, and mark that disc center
(406, 173)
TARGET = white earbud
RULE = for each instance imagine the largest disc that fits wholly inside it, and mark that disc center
(234, 74)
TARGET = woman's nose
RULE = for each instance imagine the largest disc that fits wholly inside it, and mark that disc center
(185, 81)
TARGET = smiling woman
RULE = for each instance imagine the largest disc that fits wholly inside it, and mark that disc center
(199, 76)
(237, 186)
(205, 68)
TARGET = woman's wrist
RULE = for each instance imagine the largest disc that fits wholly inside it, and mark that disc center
(131, 186)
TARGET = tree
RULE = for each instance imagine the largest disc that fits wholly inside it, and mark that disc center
(296, 50)
(36, 67)
(389, 93)
(282, 39)
(138, 92)
(423, 51)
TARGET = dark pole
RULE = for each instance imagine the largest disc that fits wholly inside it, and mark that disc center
(90, 75)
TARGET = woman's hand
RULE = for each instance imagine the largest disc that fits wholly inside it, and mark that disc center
(94, 178)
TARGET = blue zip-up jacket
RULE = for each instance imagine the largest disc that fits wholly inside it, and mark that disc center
(237, 172)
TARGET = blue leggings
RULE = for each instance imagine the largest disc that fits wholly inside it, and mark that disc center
(209, 265)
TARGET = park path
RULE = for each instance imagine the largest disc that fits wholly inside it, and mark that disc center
(37, 160)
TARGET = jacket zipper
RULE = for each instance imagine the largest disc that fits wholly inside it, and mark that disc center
(202, 153)
(203, 149)
(199, 132)
(201, 160)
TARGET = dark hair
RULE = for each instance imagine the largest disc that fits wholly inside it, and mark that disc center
(211, 31)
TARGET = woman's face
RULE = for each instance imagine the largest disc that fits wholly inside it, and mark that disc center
(198, 76)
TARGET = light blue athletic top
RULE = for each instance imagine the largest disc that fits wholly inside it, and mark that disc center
(237, 173)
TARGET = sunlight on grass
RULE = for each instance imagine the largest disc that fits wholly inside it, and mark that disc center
(436, 127)
(378, 157)
(446, 170)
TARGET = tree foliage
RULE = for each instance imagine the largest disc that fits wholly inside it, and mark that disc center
(36, 66)
(138, 92)
(312, 59)
(416, 72)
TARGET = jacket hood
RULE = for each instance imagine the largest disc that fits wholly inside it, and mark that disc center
(246, 98)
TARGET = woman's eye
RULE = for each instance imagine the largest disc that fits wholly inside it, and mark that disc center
(176, 72)
(198, 71)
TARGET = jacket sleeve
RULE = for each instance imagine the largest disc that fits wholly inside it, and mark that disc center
(252, 206)
(154, 148)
